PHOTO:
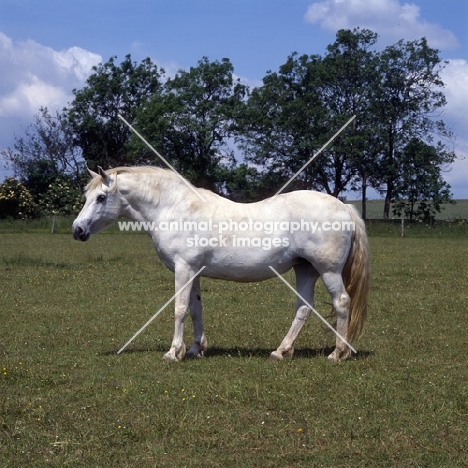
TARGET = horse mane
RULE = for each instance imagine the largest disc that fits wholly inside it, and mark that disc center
(143, 170)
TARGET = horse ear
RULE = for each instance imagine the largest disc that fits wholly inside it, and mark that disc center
(91, 173)
(102, 173)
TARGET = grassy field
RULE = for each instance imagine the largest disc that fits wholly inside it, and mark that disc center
(67, 398)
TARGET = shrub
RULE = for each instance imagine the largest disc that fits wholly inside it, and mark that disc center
(61, 198)
(15, 200)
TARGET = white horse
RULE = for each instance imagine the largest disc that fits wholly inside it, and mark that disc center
(314, 233)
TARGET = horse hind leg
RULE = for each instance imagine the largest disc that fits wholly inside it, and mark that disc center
(200, 345)
(341, 303)
(306, 277)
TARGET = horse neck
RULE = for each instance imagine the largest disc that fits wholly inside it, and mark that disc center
(150, 196)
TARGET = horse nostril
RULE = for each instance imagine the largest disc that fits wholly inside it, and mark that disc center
(77, 232)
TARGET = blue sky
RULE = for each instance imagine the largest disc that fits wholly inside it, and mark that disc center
(47, 48)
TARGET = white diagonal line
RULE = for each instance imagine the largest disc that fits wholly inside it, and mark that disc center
(312, 309)
(161, 309)
(313, 157)
(191, 187)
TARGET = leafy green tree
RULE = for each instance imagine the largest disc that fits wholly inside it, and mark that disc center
(299, 108)
(284, 122)
(348, 82)
(420, 189)
(15, 200)
(394, 93)
(45, 151)
(408, 97)
(242, 183)
(192, 121)
(37, 175)
(111, 90)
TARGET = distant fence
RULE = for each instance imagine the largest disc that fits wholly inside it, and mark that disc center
(450, 212)
(405, 227)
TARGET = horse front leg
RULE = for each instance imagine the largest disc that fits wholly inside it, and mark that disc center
(177, 351)
(200, 344)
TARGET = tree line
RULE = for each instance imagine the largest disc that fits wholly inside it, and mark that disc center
(246, 143)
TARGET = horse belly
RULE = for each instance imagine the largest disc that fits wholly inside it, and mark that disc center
(247, 266)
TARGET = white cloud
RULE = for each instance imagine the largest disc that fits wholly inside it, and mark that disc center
(455, 77)
(34, 75)
(29, 96)
(390, 19)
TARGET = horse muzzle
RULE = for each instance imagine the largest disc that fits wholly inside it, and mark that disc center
(80, 234)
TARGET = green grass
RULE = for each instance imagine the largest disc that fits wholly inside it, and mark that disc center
(67, 398)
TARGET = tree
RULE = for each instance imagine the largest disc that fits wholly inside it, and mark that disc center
(348, 83)
(49, 167)
(242, 183)
(395, 95)
(111, 90)
(299, 108)
(419, 190)
(192, 120)
(45, 152)
(15, 200)
(406, 101)
(284, 123)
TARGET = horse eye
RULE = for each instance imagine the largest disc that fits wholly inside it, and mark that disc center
(100, 198)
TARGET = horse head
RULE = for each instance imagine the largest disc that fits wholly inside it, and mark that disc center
(102, 206)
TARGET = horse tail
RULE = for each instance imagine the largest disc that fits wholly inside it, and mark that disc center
(356, 276)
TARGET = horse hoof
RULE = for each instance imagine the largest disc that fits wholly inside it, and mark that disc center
(332, 357)
(275, 356)
(195, 352)
(168, 357)
(338, 356)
